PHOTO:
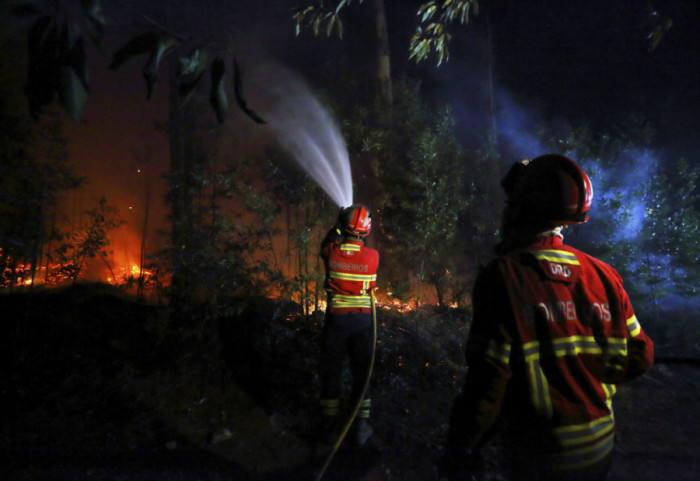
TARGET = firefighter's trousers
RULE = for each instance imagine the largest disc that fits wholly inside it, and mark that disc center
(346, 336)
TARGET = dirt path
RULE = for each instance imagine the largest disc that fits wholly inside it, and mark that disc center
(659, 426)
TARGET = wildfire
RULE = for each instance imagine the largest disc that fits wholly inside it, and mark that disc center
(131, 272)
(149, 278)
(22, 275)
(387, 301)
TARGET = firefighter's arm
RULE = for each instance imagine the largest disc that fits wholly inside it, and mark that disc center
(487, 355)
(333, 236)
(640, 351)
(639, 358)
(640, 348)
(476, 410)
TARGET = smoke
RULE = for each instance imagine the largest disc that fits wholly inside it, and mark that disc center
(517, 128)
(624, 183)
(619, 182)
(634, 222)
(305, 129)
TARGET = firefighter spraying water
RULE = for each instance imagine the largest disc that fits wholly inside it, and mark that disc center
(350, 327)
(310, 135)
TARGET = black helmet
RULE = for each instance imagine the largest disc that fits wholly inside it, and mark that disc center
(550, 189)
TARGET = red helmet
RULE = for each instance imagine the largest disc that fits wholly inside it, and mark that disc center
(356, 220)
(547, 189)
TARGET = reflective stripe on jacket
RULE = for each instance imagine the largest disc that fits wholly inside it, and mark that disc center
(351, 271)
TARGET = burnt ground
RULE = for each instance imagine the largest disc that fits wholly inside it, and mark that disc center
(96, 386)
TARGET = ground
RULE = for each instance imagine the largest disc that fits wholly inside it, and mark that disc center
(96, 386)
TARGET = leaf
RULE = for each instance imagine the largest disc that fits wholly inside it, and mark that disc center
(150, 70)
(300, 14)
(339, 29)
(96, 21)
(316, 25)
(193, 64)
(190, 71)
(73, 93)
(238, 91)
(74, 84)
(331, 22)
(465, 14)
(217, 97)
(429, 11)
(136, 47)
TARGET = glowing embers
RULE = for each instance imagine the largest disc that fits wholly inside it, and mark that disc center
(23, 274)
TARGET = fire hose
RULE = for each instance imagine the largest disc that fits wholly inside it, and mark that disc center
(361, 396)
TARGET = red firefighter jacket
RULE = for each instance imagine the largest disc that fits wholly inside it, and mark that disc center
(351, 271)
(553, 334)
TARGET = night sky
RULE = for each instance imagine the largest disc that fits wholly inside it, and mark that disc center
(589, 61)
(566, 61)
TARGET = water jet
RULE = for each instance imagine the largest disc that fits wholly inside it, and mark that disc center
(309, 133)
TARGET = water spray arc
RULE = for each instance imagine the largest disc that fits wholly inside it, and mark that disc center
(308, 132)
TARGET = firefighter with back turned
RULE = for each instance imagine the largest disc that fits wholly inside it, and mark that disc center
(351, 273)
(552, 337)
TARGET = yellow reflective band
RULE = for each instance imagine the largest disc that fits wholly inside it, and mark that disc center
(330, 403)
(586, 456)
(350, 247)
(345, 276)
(365, 408)
(539, 389)
(633, 326)
(499, 352)
(348, 298)
(571, 346)
(531, 351)
(610, 390)
(574, 345)
(561, 257)
(329, 407)
(586, 432)
(618, 345)
(341, 300)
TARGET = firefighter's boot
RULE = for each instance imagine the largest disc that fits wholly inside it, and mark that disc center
(362, 431)
(328, 430)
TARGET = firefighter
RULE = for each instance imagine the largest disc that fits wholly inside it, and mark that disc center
(351, 272)
(552, 337)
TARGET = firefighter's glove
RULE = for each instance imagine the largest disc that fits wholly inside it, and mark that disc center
(334, 234)
(460, 464)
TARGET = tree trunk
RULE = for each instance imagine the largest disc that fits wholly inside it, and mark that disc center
(369, 188)
(144, 233)
(180, 195)
(384, 91)
(38, 246)
(492, 135)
